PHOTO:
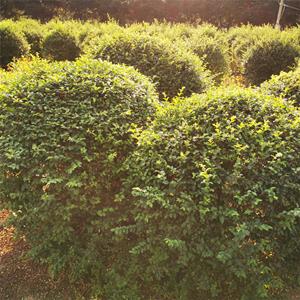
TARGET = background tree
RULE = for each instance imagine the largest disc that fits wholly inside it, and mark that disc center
(220, 12)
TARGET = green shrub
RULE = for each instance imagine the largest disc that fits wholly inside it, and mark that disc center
(33, 32)
(12, 44)
(213, 195)
(250, 33)
(242, 38)
(179, 30)
(170, 67)
(205, 40)
(171, 31)
(65, 132)
(90, 32)
(61, 44)
(292, 35)
(268, 58)
(211, 53)
(2, 76)
(94, 30)
(73, 26)
(208, 30)
(285, 85)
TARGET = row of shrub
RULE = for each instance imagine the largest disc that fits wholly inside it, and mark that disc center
(285, 85)
(256, 53)
(260, 52)
(196, 198)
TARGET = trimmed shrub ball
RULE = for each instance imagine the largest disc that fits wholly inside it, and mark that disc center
(213, 195)
(267, 58)
(285, 85)
(66, 129)
(243, 38)
(12, 44)
(33, 32)
(212, 53)
(60, 44)
(170, 67)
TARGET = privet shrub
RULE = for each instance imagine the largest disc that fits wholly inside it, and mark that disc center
(172, 31)
(12, 43)
(213, 195)
(94, 30)
(208, 30)
(286, 85)
(249, 35)
(176, 31)
(65, 132)
(61, 44)
(170, 67)
(2, 78)
(292, 35)
(205, 41)
(242, 38)
(90, 32)
(267, 58)
(212, 54)
(33, 32)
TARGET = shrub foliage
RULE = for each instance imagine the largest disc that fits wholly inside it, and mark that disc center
(257, 52)
(33, 32)
(286, 85)
(12, 44)
(61, 166)
(61, 44)
(212, 53)
(268, 58)
(170, 67)
(193, 199)
(216, 213)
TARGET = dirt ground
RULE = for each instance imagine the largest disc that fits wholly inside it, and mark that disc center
(20, 278)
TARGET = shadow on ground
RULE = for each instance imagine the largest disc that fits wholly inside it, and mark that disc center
(20, 278)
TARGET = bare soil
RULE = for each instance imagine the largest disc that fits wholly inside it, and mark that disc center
(21, 278)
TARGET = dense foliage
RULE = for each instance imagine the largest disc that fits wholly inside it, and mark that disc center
(12, 44)
(259, 52)
(205, 40)
(268, 58)
(241, 38)
(213, 195)
(285, 85)
(65, 131)
(237, 51)
(170, 67)
(212, 53)
(60, 44)
(132, 198)
(33, 32)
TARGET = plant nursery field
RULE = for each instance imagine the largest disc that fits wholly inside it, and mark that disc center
(149, 161)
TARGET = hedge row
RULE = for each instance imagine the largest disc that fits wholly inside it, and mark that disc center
(285, 85)
(194, 199)
(260, 52)
(13, 44)
(257, 53)
(171, 67)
